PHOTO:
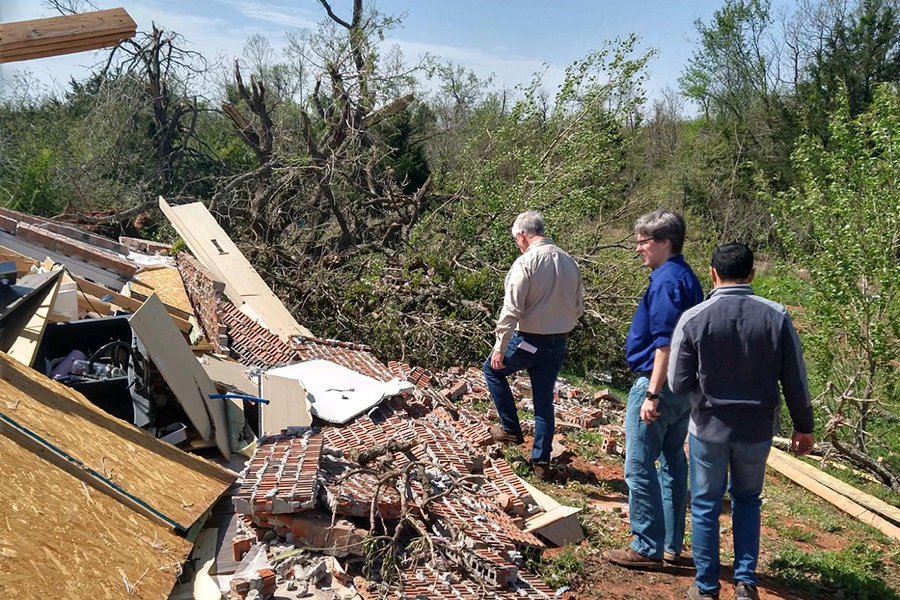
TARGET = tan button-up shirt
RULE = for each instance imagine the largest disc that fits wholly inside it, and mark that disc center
(543, 294)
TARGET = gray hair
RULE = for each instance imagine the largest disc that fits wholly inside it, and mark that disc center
(663, 225)
(530, 222)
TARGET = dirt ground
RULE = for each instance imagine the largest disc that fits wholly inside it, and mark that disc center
(599, 486)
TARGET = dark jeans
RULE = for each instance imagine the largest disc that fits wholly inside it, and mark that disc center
(543, 366)
(710, 466)
(657, 500)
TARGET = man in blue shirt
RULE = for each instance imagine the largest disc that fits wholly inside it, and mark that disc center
(656, 420)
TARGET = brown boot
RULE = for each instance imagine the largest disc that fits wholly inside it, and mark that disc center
(544, 471)
(678, 560)
(629, 557)
(502, 436)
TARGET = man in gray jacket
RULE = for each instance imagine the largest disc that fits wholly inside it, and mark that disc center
(730, 353)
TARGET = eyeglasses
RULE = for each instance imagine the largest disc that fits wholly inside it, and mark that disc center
(644, 241)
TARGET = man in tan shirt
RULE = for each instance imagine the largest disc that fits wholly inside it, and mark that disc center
(542, 303)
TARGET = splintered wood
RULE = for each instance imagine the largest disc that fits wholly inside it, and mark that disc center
(59, 540)
(179, 485)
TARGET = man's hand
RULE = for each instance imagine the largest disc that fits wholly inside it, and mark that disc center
(497, 361)
(802, 443)
(648, 410)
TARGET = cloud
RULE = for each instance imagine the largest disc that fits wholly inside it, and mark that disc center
(286, 16)
(507, 69)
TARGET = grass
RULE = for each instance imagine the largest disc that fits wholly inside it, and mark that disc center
(561, 568)
(853, 573)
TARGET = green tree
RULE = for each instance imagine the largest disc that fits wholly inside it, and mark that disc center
(842, 223)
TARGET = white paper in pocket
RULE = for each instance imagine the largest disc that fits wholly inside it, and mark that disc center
(527, 347)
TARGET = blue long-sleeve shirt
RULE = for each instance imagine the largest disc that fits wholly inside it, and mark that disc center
(673, 289)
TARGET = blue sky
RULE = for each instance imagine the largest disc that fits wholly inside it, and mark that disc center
(509, 39)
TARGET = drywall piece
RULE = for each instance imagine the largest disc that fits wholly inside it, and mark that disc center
(26, 345)
(61, 535)
(785, 464)
(212, 247)
(175, 484)
(288, 405)
(39, 38)
(558, 523)
(185, 377)
(335, 393)
(229, 374)
(876, 505)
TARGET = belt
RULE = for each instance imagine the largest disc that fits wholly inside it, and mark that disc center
(545, 336)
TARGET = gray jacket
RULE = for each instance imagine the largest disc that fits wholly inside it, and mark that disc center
(730, 353)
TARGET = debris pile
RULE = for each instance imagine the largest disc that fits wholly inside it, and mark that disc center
(357, 478)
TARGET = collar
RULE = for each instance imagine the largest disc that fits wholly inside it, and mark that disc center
(739, 289)
(677, 259)
(544, 241)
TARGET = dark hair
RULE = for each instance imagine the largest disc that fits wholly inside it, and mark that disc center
(732, 261)
(663, 225)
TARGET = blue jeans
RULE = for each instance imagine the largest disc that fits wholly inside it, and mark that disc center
(710, 464)
(657, 501)
(543, 366)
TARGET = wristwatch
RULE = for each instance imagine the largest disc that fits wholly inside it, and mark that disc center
(650, 396)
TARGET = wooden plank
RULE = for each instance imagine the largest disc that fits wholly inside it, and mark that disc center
(876, 505)
(287, 406)
(175, 484)
(218, 253)
(39, 38)
(23, 34)
(777, 460)
(25, 348)
(64, 47)
(93, 304)
(62, 536)
(188, 381)
(130, 304)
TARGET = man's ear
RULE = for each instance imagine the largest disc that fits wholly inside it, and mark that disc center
(714, 276)
(751, 275)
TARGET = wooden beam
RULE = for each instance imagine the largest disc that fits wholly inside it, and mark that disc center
(38, 38)
(876, 505)
(130, 304)
(786, 465)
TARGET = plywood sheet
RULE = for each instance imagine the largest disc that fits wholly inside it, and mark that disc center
(59, 540)
(229, 373)
(185, 377)
(218, 253)
(166, 283)
(177, 484)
